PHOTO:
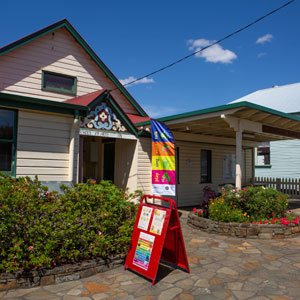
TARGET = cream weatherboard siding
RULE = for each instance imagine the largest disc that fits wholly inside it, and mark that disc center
(126, 164)
(144, 165)
(190, 190)
(43, 146)
(21, 69)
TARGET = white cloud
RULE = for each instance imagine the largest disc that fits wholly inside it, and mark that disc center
(261, 54)
(214, 54)
(131, 78)
(160, 111)
(264, 39)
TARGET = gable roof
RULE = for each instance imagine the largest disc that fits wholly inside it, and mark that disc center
(284, 98)
(66, 24)
(92, 99)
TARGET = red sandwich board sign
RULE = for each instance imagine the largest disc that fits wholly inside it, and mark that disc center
(156, 235)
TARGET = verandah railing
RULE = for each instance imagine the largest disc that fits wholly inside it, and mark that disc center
(285, 185)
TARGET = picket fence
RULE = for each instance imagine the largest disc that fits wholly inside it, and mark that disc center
(285, 185)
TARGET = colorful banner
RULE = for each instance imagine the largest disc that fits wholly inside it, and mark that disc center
(163, 160)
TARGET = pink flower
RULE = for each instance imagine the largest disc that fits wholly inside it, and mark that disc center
(266, 222)
(53, 263)
(273, 213)
(195, 210)
(99, 233)
(253, 223)
(199, 212)
(47, 193)
(30, 248)
(244, 189)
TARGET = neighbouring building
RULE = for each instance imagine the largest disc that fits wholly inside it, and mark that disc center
(66, 118)
(279, 158)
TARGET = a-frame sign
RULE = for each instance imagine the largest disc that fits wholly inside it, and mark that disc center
(156, 236)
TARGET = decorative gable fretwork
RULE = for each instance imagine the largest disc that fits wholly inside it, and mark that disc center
(103, 118)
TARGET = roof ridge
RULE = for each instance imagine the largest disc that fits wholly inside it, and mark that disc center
(80, 40)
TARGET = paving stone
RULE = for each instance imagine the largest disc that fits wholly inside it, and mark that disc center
(241, 295)
(38, 295)
(17, 293)
(280, 298)
(170, 293)
(68, 297)
(202, 283)
(227, 271)
(74, 292)
(100, 296)
(95, 288)
(186, 297)
(185, 284)
(236, 286)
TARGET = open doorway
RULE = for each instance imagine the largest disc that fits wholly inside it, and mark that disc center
(108, 160)
(97, 159)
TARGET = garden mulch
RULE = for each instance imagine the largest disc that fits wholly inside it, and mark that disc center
(221, 268)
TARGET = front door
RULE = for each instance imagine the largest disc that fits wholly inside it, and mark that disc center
(109, 161)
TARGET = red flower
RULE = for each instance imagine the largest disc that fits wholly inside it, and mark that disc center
(194, 209)
(244, 189)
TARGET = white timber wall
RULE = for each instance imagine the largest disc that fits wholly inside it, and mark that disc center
(21, 69)
(43, 146)
(190, 190)
(126, 154)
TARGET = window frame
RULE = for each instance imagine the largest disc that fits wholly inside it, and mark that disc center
(13, 141)
(209, 166)
(57, 90)
(264, 165)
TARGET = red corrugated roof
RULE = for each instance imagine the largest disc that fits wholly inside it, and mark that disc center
(86, 99)
(137, 119)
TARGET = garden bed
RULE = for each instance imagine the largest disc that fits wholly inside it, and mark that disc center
(244, 230)
(68, 272)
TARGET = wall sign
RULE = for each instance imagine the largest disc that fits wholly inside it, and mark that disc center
(162, 240)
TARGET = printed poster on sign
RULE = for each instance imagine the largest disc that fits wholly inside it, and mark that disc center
(143, 250)
(158, 221)
(145, 218)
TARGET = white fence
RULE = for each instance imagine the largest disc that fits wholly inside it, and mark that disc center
(285, 185)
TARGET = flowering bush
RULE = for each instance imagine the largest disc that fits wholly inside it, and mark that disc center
(220, 210)
(251, 204)
(39, 228)
(208, 194)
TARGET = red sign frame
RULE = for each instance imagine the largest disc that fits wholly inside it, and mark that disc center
(148, 247)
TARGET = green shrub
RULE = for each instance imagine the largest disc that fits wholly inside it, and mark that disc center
(221, 211)
(256, 202)
(260, 202)
(39, 228)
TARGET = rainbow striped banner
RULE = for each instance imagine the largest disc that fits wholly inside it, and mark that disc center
(163, 160)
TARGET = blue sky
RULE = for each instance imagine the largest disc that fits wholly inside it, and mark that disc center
(136, 37)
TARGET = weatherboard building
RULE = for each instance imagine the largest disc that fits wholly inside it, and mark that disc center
(66, 118)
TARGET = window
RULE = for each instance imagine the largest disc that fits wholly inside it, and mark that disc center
(59, 83)
(263, 154)
(205, 176)
(8, 136)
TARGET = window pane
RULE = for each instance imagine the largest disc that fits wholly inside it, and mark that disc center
(5, 156)
(58, 82)
(205, 176)
(7, 118)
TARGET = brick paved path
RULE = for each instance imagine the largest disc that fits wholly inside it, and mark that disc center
(221, 268)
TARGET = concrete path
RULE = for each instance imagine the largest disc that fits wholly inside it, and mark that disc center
(221, 268)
